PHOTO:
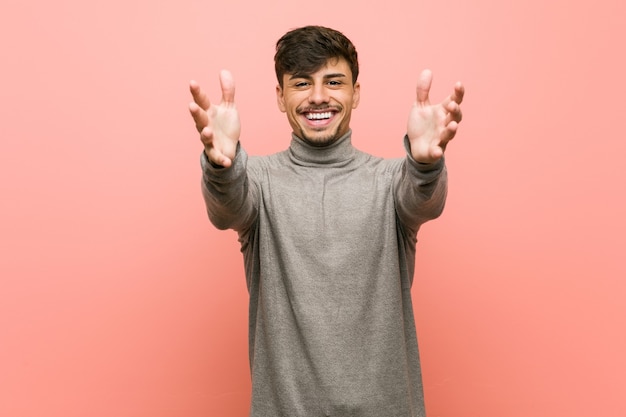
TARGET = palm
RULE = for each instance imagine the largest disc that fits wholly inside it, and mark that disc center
(226, 128)
(432, 126)
(218, 124)
(425, 129)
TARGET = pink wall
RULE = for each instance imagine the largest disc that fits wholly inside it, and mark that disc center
(117, 298)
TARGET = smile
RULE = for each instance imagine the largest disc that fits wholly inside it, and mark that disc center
(319, 116)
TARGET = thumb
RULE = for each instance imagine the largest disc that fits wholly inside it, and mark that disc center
(423, 86)
(227, 82)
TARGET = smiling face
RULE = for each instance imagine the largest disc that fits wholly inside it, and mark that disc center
(319, 105)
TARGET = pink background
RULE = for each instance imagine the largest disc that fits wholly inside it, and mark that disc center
(117, 297)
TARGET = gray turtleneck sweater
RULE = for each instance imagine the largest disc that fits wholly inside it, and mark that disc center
(328, 238)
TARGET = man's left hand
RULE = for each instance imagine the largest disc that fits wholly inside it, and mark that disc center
(432, 126)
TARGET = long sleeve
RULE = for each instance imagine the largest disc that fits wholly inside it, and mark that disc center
(230, 199)
(420, 190)
(327, 236)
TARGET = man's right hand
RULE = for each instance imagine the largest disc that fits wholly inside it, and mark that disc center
(218, 124)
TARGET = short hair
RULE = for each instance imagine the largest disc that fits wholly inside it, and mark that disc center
(307, 49)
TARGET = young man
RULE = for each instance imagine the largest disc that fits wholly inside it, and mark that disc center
(328, 235)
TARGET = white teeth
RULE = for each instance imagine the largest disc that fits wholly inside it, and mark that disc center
(318, 116)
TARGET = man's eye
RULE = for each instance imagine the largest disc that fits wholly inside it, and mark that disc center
(302, 84)
(334, 82)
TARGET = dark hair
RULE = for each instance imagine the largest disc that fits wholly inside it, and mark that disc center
(307, 49)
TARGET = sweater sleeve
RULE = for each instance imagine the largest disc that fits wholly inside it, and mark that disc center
(231, 201)
(419, 190)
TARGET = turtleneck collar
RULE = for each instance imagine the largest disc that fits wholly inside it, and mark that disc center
(338, 152)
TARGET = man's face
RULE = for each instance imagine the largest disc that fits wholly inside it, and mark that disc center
(319, 105)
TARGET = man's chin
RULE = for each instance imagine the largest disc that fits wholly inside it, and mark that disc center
(321, 139)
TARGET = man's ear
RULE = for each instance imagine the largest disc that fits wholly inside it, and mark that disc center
(280, 99)
(356, 96)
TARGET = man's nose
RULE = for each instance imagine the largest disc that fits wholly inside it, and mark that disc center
(318, 95)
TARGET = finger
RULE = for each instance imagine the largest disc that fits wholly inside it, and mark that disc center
(227, 83)
(214, 154)
(454, 113)
(200, 116)
(199, 96)
(448, 134)
(456, 96)
(423, 86)
(459, 92)
(437, 152)
(218, 158)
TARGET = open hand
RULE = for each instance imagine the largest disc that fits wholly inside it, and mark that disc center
(218, 124)
(432, 126)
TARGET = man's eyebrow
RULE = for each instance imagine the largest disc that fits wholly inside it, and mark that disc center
(326, 76)
(336, 75)
(294, 76)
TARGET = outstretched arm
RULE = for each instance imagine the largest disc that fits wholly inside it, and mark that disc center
(230, 201)
(218, 124)
(432, 126)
